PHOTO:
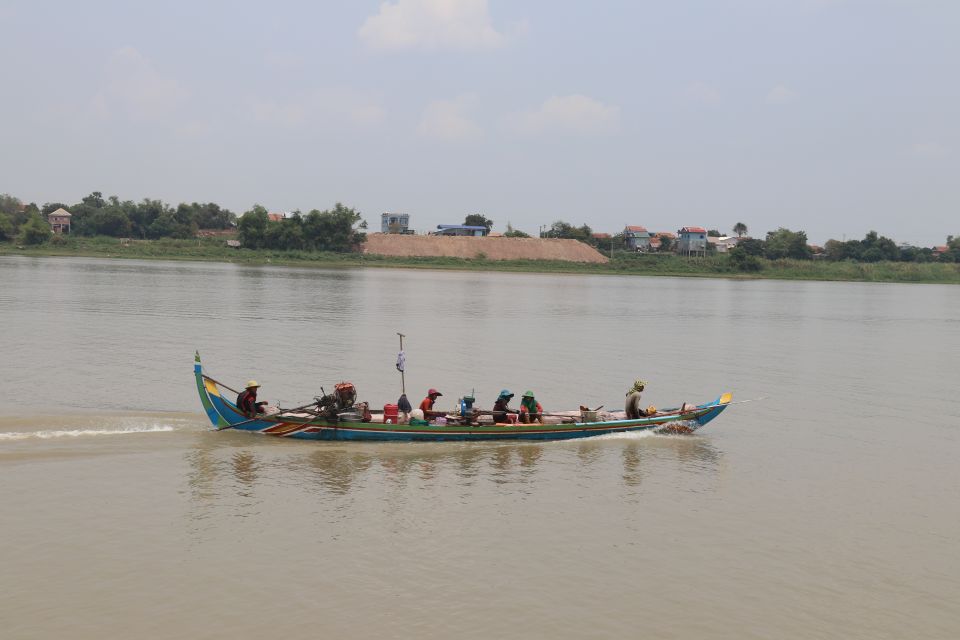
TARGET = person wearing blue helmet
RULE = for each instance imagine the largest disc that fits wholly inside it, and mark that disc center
(501, 407)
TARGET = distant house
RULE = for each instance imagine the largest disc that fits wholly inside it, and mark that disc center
(395, 223)
(277, 216)
(657, 238)
(940, 250)
(460, 230)
(636, 238)
(601, 236)
(692, 241)
(722, 244)
(60, 220)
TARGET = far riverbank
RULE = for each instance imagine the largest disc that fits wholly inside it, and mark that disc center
(622, 263)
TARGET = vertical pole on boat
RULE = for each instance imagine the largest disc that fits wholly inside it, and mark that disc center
(400, 365)
(403, 405)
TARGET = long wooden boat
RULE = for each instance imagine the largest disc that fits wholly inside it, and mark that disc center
(307, 425)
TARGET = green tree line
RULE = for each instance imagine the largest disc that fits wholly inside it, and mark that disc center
(95, 215)
(337, 229)
(781, 244)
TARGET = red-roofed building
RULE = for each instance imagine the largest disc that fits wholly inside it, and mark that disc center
(657, 238)
(692, 241)
(636, 238)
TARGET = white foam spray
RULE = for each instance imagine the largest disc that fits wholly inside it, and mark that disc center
(81, 433)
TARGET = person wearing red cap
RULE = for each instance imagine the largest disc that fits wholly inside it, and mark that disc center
(427, 405)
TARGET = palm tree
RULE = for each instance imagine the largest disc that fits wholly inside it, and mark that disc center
(739, 229)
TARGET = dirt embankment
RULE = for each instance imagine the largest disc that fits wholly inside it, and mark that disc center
(489, 248)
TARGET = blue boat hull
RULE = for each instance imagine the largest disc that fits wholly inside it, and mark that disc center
(224, 414)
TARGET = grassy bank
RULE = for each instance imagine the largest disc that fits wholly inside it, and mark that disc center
(214, 249)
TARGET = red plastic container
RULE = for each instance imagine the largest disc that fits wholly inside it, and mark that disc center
(390, 413)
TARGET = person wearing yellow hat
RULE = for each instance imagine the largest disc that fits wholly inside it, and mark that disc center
(247, 400)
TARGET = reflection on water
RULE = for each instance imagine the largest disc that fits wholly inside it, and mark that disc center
(335, 471)
(218, 470)
(244, 465)
(633, 470)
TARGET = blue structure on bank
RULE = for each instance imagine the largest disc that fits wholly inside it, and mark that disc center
(460, 230)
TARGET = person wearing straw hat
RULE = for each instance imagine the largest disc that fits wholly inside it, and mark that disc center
(247, 400)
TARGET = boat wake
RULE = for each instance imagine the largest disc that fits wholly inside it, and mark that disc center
(82, 433)
(622, 435)
(685, 427)
(81, 427)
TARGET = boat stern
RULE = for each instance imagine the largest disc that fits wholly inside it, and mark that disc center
(205, 388)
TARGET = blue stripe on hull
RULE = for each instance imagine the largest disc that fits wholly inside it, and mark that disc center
(346, 433)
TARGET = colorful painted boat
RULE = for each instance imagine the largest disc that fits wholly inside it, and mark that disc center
(303, 425)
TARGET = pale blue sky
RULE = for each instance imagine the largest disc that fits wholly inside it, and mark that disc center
(835, 117)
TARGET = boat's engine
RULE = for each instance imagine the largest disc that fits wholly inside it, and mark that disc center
(343, 398)
(346, 394)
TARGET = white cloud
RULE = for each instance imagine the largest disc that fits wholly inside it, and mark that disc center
(568, 114)
(928, 150)
(136, 88)
(431, 24)
(703, 93)
(322, 108)
(449, 121)
(781, 94)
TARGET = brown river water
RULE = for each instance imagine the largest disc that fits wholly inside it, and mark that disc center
(828, 509)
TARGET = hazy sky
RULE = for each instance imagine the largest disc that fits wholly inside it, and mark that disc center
(835, 117)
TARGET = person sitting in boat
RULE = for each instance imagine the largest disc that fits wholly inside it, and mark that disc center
(633, 407)
(247, 400)
(426, 405)
(501, 407)
(530, 409)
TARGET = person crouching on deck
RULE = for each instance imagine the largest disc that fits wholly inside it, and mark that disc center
(632, 407)
(530, 409)
(501, 408)
(247, 400)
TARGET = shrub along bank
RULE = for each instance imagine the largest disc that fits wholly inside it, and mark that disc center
(626, 263)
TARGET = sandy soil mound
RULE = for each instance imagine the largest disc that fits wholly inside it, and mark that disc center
(492, 248)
